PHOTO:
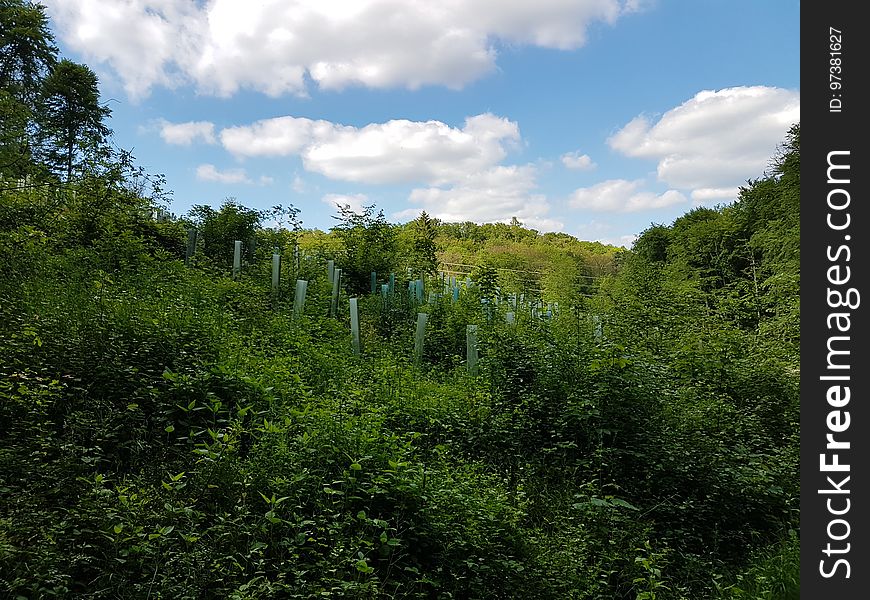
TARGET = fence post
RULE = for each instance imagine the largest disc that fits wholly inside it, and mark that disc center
(330, 270)
(374, 282)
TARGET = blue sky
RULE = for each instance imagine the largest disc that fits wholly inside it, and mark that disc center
(592, 117)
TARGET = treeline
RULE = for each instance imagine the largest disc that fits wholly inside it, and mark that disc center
(737, 266)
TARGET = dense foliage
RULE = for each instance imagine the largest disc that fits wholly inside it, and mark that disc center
(170, 431)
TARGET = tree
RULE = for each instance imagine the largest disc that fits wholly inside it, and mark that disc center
(27, 53)
(221, 228)
(27, 50)
(14, 147)
(369, 244)
(424, 231)
(652, 244)
(72, 128)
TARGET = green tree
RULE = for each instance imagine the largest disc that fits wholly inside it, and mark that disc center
(221, 228)
(652, 244)
(424, 230)
(27, 54)
(27, 50)
(14, 138)
(72, 128)
(369, 244)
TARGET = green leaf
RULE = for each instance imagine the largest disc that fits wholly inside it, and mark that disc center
(623, 503)
(363, 567)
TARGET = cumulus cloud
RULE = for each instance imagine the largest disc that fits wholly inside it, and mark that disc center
(599, 231)
(184, 134)
(580, 162)
(408, 151)
(496, 194)
(715, 141)
(145, 42)
(281, 136)
(208, 172)
(620, 195)
(275, 46)
(357, 202)
(397, 151)
(709, 194)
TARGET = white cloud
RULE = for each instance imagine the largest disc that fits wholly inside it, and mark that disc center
(580, 162)
(598, 231)
(620, 195)
(299, 186)
(281, 136)
(708, 194)
(184, 134)
(397, 151)
(208, 172)
(496, 194)
(410, 151)
(357, 202)
(626, 241)
(146, 42)
(271, 46)
(714, 142)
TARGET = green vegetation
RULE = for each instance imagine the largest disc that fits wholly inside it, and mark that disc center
(168, 432)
